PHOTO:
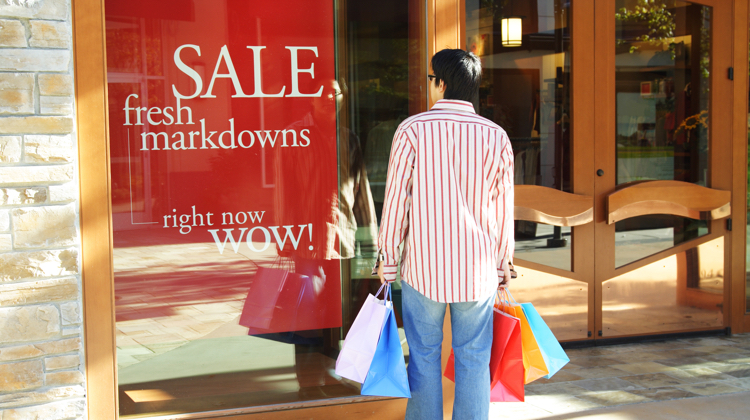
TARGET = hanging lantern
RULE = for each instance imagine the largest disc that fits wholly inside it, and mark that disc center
(512, 31)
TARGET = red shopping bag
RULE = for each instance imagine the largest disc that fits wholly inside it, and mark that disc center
(506, 360)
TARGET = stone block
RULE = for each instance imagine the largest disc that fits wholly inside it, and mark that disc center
(69, 377)
(71, 313)
(12, 33)
(47, 34)
(36, 125)
(21, 375)
(52, 149)
(4, 220)
(29, 323)
(20, 175)
(60, 346)
(61, 410)
(56, 105)
(44, 227)
(55, 84)
(62, 362)
(19, 399)
(10, 149)
(6, 244)
(27, 351)
(71, 332)
(37, 9)
(35, 60)
(19, 196)
(41, 291)
(63, 193)
(38, 264)
(16, 93)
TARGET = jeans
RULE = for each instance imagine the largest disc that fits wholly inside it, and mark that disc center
(471, 323)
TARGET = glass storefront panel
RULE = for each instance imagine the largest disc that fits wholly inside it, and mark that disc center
(662, 79)
(526, 90)
(247, 146)
(564, 304)
(679, 293)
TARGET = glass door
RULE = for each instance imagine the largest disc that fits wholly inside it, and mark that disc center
(619, 140)
(662, 191)
(537, 71)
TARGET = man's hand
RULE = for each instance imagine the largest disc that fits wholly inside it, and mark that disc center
(380, 273)
(507, 275)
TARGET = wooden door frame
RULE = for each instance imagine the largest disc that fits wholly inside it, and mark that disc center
(740, 317)
(721, 175)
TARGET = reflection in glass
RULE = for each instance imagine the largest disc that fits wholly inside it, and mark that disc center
(240, 259)
(526, 90)
(563, 305)
(639, 237)
(663, 53)
(681, 292)
(536, 249)
(662, 87)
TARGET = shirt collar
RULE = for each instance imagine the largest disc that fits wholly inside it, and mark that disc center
(454, 105)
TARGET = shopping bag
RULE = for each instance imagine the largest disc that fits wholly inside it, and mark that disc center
(264, 292)
(533, 361)
(506, 360)
(387, 375)
(362, 339)
(292, 296)
(553, 353)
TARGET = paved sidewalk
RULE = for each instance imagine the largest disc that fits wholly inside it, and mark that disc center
(700, 378)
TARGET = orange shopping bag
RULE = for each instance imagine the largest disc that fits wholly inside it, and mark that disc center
(533, 361)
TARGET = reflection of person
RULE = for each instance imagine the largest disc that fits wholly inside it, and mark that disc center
(449, 198)
(307, 192)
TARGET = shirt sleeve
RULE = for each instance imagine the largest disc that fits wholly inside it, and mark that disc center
(398, 194)
(505, 205)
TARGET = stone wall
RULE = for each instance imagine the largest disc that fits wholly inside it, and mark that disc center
(41, 351)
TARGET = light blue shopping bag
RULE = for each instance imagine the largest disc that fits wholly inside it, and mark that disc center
(552, 352)
(387, 375)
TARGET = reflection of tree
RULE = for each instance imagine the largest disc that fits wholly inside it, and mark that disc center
(657, 18)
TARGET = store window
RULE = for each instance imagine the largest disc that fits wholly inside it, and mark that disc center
(248, 151)
(526, 52)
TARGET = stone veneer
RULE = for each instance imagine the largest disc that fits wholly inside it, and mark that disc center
(41, 350)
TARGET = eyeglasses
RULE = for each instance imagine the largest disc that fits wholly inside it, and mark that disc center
(431, 77)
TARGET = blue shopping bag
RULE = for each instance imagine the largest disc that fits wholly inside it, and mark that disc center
(387, 375)
(552, 352)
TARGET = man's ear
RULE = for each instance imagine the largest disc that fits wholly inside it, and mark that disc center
(442, 86)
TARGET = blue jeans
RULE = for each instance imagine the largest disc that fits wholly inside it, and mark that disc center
(471, 323)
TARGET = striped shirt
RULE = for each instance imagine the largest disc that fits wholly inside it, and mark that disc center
(449, 200)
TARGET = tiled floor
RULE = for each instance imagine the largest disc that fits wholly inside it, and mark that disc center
(612, 376)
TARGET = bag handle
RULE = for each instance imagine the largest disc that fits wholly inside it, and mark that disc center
(502, 299)
(381, 289)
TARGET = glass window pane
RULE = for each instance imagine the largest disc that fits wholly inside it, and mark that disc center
(678, 293)
(245, 190)
(526, 90)
(662, 79)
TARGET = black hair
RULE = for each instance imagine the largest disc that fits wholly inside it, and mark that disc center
(462, 72)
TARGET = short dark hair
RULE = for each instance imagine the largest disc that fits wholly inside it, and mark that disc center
(462, 72)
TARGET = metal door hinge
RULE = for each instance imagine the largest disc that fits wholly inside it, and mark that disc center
(730, 73)
(589, 333)
(600, 333)
(729, 224)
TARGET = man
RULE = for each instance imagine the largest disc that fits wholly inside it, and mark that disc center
(449, 199)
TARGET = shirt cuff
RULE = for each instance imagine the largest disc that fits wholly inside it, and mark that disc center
(389, 272)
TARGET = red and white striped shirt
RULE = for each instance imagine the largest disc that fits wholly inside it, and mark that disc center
(449, 199)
